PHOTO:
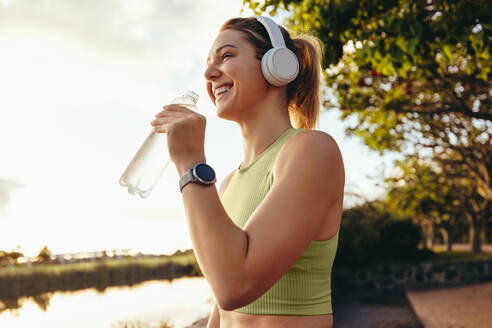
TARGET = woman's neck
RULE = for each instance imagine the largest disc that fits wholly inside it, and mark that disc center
(260, 133)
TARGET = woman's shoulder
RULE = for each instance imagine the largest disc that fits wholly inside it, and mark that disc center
(310, 150)
(310, 142)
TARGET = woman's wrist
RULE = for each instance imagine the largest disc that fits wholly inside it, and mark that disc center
(185, 165)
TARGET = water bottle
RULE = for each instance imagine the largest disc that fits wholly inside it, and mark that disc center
(152, 158)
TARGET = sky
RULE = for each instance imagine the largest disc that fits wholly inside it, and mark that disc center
(79, 83)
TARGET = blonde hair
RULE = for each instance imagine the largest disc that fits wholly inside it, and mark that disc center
(303, 93)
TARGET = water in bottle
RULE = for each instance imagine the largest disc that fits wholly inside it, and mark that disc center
(152, 158)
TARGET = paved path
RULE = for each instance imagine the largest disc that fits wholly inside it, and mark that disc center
(384, 310)
(454, 307)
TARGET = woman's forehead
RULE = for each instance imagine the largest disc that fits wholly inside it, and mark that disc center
(227, 37)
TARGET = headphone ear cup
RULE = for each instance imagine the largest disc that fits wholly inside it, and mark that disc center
(266, 68)
(279, 66)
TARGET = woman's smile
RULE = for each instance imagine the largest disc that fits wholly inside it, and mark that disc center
(222, 91)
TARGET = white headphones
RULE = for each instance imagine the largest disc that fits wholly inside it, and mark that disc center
(279, 64)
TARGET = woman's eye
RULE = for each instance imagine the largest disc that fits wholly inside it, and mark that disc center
(226, 55)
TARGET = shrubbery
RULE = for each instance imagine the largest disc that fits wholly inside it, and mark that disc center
(9, 257)
(369, 235)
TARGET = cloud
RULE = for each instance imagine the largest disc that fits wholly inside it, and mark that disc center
(119, 30)
(83, 77)
(6, 189)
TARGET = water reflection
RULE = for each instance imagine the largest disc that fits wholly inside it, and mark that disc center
(179, 302)
(13, 304)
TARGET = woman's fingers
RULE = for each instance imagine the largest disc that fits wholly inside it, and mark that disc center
(160, 128)
(166, 112)
(159, 121)
(174, 109)
(172, 116)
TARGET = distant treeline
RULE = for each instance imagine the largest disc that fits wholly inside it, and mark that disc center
(35, 280)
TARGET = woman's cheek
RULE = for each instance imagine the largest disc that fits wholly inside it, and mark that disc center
(209, 91)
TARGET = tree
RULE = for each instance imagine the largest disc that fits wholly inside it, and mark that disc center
(10, 257)
(438, 198)
(44, 254)
(414, 74)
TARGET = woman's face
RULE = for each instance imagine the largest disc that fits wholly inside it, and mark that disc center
(234, 79)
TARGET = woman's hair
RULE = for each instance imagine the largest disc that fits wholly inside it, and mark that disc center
(303, 93)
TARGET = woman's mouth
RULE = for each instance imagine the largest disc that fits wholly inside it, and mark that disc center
(220, 92)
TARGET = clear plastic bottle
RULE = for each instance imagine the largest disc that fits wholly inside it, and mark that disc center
(152, 158)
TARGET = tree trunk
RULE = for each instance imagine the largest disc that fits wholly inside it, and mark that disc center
(431, 235)
(446, 238)
(428, 229)
(475, 226)
(450, 240)
(484, 231)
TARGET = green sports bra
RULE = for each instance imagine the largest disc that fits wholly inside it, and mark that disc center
(306, 288)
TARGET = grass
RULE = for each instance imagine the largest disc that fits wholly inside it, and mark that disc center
(443, 255)
(57, 269)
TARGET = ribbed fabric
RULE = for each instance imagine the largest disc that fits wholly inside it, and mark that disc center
(306, 288)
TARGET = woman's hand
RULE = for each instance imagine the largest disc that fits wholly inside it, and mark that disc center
(185, 135)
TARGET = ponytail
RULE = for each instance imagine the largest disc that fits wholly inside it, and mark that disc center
(303, 93)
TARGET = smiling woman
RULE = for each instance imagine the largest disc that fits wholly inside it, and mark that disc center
(267, 239)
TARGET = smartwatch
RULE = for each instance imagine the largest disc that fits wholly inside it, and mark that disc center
(201, 173)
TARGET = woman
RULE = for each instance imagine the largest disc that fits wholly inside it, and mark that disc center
(267, 240)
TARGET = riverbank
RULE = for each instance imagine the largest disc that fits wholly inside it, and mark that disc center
(390, 309)
(30, 279)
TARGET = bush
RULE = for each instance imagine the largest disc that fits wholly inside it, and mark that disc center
(399, 240)
(44, 254)
(371, 236)
(9, 257)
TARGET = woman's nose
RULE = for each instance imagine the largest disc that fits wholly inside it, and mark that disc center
(211, 72)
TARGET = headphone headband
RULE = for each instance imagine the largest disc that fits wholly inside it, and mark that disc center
(279, 65)
(273, 31)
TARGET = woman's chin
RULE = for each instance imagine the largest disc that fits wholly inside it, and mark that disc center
(223, 108)
(224, 112)
(221, 113)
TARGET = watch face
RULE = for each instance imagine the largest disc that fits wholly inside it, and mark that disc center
(204, 173)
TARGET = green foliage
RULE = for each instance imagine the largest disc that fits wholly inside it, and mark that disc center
(415, 78)
(145, 264)
(403, 37)
(429, 190)
(399, 240)
(438, 195)
(370, 235)
(415, 74)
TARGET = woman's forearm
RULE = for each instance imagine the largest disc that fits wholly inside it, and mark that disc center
(219, 245)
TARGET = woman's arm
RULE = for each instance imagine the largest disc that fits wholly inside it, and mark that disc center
(214, 319)
(241, 265)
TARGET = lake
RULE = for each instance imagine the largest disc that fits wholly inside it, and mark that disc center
(180, 302)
